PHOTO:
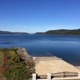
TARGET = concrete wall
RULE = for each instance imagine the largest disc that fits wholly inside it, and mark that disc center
(34, 77)
(73, 78)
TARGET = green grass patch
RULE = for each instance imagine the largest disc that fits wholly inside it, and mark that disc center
(1, 76)
(1, 58)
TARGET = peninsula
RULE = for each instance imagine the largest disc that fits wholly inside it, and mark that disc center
(61, 31)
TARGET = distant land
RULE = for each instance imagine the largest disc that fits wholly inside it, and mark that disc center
(8, 32)
(61, 31)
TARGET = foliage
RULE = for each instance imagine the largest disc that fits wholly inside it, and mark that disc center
(1, 58)
(30, 65)
(61, 31)
(14, 48)
(16, 72)
(15, 68)
(4, 50)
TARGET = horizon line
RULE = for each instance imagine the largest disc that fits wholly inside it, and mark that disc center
(38, 31)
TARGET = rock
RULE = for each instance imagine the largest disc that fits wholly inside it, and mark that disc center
(28, 60)
(23, 54)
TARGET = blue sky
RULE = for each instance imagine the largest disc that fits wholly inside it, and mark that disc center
(39, 15)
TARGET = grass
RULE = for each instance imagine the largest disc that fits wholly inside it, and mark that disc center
(1, 58)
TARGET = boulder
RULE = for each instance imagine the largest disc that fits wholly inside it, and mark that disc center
(28, 60)
(23, 54)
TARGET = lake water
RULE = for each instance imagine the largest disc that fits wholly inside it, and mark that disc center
(66, 47)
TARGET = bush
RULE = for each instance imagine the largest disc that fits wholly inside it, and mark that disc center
(17, 72)
(14, 68)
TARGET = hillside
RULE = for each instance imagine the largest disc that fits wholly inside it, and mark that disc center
(61, 31)
(39, 33)
(5, 32)
(8, 32)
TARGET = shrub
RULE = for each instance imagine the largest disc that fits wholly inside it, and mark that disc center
(16, 72)
(14, 68)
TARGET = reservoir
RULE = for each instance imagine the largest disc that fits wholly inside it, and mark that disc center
(66, 47)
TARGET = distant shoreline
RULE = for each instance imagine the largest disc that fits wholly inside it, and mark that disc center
(42, 34)
(58, 32)
(61, 32)
(8, 32)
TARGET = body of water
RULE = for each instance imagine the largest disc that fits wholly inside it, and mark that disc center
(66, 47)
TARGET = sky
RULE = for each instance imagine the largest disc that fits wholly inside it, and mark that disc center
(39, 15)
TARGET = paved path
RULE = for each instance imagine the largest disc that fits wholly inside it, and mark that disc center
(44, 65)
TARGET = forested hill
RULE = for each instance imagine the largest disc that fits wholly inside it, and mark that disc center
(5, 32)
(61, 31)
(8, 32)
